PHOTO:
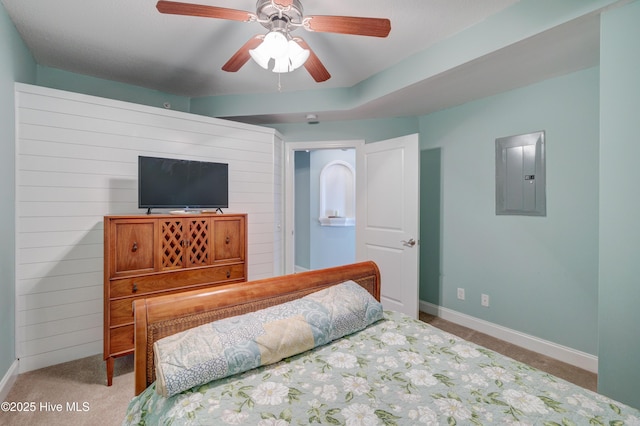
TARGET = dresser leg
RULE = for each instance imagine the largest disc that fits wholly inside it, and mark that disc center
(110, 362)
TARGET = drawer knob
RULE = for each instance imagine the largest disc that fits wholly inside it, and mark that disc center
(135, 246)
(135, 288)
(228, 274)
(227, 240)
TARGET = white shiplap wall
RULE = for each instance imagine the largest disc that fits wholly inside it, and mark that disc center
(76, 161)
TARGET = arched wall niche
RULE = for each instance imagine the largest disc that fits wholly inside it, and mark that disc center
(337, 194)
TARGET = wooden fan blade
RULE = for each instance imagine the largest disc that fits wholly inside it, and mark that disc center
(313, 64)
(374, 27)
(242, 55)
(190, 9)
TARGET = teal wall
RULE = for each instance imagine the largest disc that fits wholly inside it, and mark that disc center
(16, 64)
(302, 207)
(541, 273)
(72, 82)
(430, 225)
(619, 295)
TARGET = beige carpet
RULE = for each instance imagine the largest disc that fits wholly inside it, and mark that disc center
(83, 382)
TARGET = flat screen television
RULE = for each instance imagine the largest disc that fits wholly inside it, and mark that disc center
(182, 184)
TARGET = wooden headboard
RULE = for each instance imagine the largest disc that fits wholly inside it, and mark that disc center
(162, 316)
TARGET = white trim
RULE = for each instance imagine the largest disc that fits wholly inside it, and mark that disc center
(8, 380)
(17, 332)
(289, 220)
(562, 353)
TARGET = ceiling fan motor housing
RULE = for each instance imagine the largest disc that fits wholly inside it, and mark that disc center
(272, 16)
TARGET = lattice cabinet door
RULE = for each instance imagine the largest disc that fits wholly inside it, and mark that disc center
(198, 242)
(173, 243)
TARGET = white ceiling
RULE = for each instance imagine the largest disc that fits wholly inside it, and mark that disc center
(131, 42)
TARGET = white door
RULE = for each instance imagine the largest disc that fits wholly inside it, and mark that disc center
(387, 217)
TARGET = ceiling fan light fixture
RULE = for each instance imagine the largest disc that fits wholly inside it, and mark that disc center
(274, 45)
(297, 54)
(261, 55)
(287, 54)
(282, 64)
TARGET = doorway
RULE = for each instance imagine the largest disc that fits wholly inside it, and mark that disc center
(387, 213)
(328, 236)
(324, 198)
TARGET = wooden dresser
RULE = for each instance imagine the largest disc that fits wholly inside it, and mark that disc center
(147, 255)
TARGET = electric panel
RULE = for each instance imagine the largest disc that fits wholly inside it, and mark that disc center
(520, 175)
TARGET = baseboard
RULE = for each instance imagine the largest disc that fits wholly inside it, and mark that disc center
(8, 380)
(297, 269)
(561, 353)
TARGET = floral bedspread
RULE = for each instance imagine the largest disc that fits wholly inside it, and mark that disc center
(397, 371)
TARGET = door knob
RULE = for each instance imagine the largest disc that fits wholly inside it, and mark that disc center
(409, 243)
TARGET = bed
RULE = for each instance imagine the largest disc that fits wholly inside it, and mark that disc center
(367, 366)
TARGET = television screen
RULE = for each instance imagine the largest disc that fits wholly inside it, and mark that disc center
(185, 184)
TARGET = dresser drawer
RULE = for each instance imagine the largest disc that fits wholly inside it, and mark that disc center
(121, 339)
(142, 285)
(121, 310)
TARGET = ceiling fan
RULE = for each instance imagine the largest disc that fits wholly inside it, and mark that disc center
(281, 17)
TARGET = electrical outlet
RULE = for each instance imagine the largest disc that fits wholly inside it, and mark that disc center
(484, 300)
(461, 293)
